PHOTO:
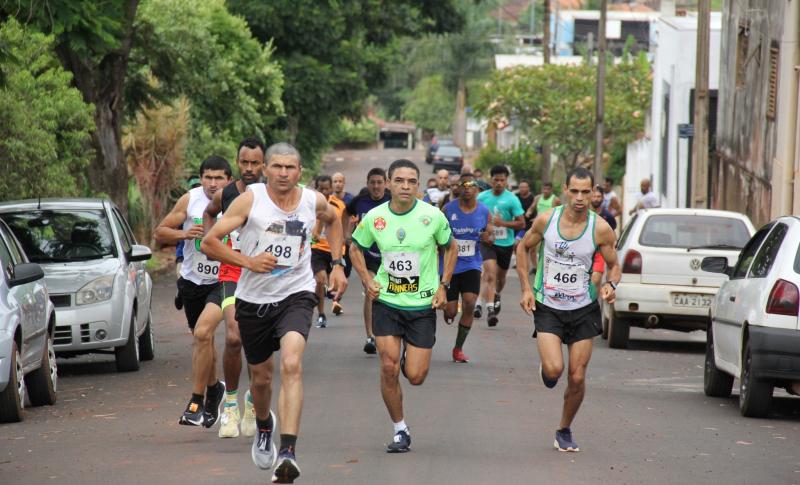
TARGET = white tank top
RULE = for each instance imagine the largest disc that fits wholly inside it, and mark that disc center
(287, 235)
(196, 266)
(563, 275)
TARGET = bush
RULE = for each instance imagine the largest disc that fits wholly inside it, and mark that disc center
(488, 157)
(361, 133)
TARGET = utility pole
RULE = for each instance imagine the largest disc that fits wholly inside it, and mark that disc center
(700, 196)
(545, 168)
(601, 93)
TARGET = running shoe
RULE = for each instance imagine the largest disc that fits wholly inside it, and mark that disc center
(213, 405)
(478, 311)
(548, 383)
(178, 301)
(263, 450)
(491, 318)
(497, 304)
(564, 441)
(337, 308)
(449, 321)
(369, 346)
(322, 322)
(401, 443)
(458, 356)
(248, 425)
(229, 422)
(193, 415)
(287, 469)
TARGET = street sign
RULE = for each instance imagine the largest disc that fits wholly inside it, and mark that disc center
(685, 130)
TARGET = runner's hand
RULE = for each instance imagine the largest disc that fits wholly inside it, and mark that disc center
(608, 294)
(497, 220)
(528, 302)
(194, 232)
(487, 237)
(263, 263)
(440, 298)
(338, 282)
(373, 289)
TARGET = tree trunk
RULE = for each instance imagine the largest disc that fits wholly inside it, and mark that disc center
(460, 122)
(102, 83)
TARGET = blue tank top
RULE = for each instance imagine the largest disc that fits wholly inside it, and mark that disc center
(467, 229)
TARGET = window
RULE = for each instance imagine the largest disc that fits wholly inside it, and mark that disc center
(124, 238)
(692, 231)
(746, 256)
(626, 232)
(772, 93)
(5, 260)
(768, 252)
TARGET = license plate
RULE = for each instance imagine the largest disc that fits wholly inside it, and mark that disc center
(447, 159)
(694, 300)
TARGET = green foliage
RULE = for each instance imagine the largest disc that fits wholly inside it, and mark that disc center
(45, 125)
(524, 162)
(430, 105)
(489, 156)
(359, 133)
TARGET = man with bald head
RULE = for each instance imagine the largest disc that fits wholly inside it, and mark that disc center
(435, 194)
(647, 199)
(338, 188)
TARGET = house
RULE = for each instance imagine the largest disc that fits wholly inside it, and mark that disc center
(756, 169)
(571, 29)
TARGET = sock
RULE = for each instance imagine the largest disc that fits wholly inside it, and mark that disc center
(490, 308)
(197, 398)
(288, 443)
(400, 426)
(264, 423)
(462, 335)
(232, 398)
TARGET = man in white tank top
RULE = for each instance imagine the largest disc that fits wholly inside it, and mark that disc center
(563, 300)
(199, 289)
(275, 297)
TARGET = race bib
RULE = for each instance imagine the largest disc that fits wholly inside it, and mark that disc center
(284, 247)
(564, 277)
(204, 268)
(500, 233)
(403, 272)
(465, 247)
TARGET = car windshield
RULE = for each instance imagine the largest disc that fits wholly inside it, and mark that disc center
(449, 151)
(694, 232)
(62, 235)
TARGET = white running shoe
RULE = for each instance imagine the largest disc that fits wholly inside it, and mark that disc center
(263, 451)
(229, 422)
(248, 425)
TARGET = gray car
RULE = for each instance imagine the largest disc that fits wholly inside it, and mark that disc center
(95, 272)
(27, 320)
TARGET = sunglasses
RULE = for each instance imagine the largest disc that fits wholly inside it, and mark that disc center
(468, 183)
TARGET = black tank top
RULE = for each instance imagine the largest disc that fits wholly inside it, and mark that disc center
(229, 192)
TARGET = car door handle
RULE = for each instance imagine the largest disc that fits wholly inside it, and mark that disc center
(732, 298)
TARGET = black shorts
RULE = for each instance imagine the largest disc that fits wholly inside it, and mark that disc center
(262, 326)
(417, 327)
(195, 297)
(466, 282)
(320, 261)
(227, 291)
(502, 254)
(570, 325)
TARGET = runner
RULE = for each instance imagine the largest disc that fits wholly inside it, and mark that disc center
(250, 160)
(507, 219)
(407, 290)
(337, 180)
(321, 250)
(275, 296)
(192, 182)
(599, 266)
(375, 195)
(564, 305)
(470, 223)
(199, 288)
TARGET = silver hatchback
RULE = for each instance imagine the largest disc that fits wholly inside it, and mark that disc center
(95, 272)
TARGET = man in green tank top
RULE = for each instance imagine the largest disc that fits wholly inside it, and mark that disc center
(563, 301)
(406, 291)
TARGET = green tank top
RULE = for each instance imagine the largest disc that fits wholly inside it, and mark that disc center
(543, 205)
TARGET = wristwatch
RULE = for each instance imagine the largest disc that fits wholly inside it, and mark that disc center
(338, 261)
(446, 284)
(613, 285)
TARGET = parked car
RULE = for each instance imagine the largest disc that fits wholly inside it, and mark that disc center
(449, 157)
(27, 321)
(441, 142)
(95, 272)
(754, 333)
(662, 285)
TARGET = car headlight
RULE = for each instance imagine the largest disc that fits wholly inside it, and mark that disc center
(95, 291)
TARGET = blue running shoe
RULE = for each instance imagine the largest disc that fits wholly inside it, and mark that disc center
(401, 443)
(564, 441)
(287, 469)
(548, 383)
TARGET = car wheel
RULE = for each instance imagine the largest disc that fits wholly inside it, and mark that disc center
(755, 395)
(715, 382)
(619, 330)
(12, 398)
(147, 341)
(127, 356)
(42, 383)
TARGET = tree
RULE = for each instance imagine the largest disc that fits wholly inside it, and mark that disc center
(334, 53)
(430, 105)
(45, 125)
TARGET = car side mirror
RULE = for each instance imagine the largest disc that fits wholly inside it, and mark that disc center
(26, 273)
(716, 264)
(140, 253)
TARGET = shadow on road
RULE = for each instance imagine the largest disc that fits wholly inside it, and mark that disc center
(83, 366)
(672, 346)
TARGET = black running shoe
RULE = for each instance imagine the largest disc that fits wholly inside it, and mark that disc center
(401, 443)
(369, 346)
(478, 311)
(178, 301)
(193, 415)
(287, 469)
(213, 405)
(491, 318)
(497, 304)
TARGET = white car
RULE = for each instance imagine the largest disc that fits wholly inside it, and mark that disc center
(662, 285)
(754, 333)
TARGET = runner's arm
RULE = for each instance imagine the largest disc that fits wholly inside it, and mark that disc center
(212, 211)
(556, 202)
(488, 234)
(326, 215)
(166, 232)
(450, 258)
(234, 217)
(606, 242)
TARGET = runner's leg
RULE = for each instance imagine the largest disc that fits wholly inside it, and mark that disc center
(579, 354)
(389, 351)
(203, 351)
(261, 387)
(489, 279)
(418, 362)
(321, 278)
(368, 311)
(232, 356)
(550, 355)
(290, 399)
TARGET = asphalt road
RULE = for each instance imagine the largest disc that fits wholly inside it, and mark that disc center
(645, 418)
